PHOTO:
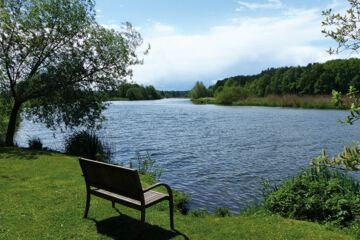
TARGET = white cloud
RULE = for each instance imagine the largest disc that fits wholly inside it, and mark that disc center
(269, 4)
(98, 10)
(248, 45)
(159, 27)
(112, 26)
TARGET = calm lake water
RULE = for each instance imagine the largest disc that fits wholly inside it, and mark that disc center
(217, 154)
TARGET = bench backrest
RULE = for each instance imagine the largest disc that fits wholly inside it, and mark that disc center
(113, 178)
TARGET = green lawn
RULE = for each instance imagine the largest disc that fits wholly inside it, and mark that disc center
(42, 196)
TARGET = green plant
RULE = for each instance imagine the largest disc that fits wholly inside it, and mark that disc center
(222, 212)
(199, 212)
(349, 159)
(35, 144)
(145, 165)
(199, 91)
(326, 196)
(181, 202)
(87, 144)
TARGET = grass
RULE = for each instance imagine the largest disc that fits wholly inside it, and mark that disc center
(43, 197)
(293, 101)
(207, 100)
(118, 99)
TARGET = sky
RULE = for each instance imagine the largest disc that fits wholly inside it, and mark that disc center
(198, 40)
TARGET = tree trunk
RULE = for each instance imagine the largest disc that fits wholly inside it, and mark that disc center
(12, 124)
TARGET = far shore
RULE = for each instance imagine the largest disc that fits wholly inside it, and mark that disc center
(290, 101)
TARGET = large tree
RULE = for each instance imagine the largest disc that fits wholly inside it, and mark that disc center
(55, 59)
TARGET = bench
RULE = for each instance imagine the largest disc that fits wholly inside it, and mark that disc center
(121, 185)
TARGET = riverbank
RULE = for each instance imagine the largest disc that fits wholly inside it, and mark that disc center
(43, 197)
(291, 101)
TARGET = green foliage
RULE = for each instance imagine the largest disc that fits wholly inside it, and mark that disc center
(349, 159)
(175, 94)
(58, 59)
(87, 144)
(35, 144)
(326, 196)
(203, 212)
(313, 79)
(181, 202)
(230, 94)
(145, 165)
(353, 95)
(133, 91)
(198, 91)
(135, 94)
(204, 101)
(343, 28)
(222, 212)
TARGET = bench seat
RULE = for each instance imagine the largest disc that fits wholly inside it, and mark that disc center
(150, 197)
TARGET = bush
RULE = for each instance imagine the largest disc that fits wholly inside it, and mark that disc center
(326, 196)
(199, 212)
(228, 95)
(222, 212)
(199, 91)
(35, 144)
(87, 144)
(145, 165)
(181, 202)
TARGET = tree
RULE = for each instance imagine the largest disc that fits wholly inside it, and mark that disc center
(344, 29)
(56, 59)
(198, 91)
(347, 35)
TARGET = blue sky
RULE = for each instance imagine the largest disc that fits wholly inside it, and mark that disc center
(197, 40)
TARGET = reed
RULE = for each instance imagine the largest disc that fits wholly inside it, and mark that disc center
(293, 101)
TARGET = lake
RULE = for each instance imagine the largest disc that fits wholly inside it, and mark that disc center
(217, 154)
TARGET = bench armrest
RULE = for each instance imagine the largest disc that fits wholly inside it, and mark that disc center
(158, 185)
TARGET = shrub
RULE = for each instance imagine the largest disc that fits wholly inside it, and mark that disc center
(222, 212)
(231, 94)
(326, 196)
(145, 165)
(87, 144)
(199, 212)
(198, 91)
(181, 202)
(35, 144)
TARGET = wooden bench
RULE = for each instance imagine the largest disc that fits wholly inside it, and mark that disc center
(121, 185)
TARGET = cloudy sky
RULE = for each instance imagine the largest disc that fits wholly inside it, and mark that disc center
(198, 40)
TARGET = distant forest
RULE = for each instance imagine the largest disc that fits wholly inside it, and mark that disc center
(133, 91)
(313, 79)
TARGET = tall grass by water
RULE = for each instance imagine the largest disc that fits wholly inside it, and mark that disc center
(293, 101)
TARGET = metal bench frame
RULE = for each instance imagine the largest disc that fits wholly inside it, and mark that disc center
(121, 185)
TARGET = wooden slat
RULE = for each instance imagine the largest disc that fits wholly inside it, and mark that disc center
(151, 197)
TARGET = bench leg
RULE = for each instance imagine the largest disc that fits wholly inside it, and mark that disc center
(171, 208)
(87, 204)
(142, 220)
(113, 204)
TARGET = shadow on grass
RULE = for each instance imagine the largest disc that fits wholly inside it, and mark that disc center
(22, 153)
(125, 227)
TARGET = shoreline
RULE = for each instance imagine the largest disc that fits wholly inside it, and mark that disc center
(287, 101)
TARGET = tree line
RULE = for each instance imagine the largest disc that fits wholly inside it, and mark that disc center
(313, 79)
(133, 91)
